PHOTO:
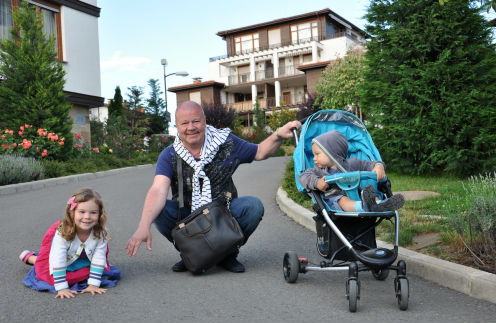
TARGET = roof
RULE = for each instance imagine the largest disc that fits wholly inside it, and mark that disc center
(310, 66)
(290, 19)
(195, 86)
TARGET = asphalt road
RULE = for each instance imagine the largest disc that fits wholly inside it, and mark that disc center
(150, 292)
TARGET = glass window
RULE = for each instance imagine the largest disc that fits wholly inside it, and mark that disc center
(304, 32)
(49, 14)
(246, 43)
(5, 18)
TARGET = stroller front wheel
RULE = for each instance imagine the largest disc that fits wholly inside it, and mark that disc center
(291, 267)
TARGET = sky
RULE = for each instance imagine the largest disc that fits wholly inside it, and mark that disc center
(135, 35)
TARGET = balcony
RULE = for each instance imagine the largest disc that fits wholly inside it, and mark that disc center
(289, 70)
(279, 45)
(246, 106)
(239, 79)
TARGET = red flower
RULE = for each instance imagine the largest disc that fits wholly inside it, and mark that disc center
(61, 143)
(20, 133)
(96, 150)
(44, 153)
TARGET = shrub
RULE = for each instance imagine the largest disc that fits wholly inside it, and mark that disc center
(218, 115)
(18, 169)
(476, 224)
(157, 143)
(28, 142)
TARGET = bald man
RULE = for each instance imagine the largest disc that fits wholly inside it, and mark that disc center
(207, 173)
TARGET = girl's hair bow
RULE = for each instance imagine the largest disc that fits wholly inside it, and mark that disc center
(72, 203)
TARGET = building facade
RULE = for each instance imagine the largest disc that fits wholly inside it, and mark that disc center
(74, 23)
(278, 62)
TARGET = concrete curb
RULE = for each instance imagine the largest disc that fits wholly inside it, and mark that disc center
(470, 281)
(38, 185)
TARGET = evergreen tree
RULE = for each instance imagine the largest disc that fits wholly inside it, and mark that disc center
(115, 107)
(155, 109)
(430, 85)
(32, 78)
(135, 112)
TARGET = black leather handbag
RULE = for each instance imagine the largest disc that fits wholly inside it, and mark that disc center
(208, 235)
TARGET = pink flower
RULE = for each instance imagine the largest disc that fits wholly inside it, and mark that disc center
(44, 153)
(96, 150)
(78, 136)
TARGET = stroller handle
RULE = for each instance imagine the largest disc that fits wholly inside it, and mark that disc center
(295, 135)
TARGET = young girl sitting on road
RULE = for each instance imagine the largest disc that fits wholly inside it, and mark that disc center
(73, 253)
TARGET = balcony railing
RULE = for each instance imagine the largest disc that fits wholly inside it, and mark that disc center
(239, 79)
(289, 71)
(295, 42)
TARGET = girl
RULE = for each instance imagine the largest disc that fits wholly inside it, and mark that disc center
(73, 253)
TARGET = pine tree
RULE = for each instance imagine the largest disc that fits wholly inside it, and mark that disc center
(115, 108)
(155, 109)
(430, 85)
(32, 78)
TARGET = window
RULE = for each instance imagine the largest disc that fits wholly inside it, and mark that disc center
(246, 43)
(304, 32)
(50, 14)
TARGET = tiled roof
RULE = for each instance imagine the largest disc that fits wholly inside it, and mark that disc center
(313, 65)
(195, 85)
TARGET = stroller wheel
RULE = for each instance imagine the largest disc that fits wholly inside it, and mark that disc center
(352, 293)
(291, 267)
(380, 274)
(402, 292)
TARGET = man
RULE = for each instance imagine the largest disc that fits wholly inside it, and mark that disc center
(209, 158)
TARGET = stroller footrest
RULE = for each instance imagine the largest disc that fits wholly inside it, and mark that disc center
(377, 257)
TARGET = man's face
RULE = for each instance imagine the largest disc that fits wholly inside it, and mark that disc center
(191, 125)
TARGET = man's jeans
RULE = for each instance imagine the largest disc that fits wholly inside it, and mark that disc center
(247, 210)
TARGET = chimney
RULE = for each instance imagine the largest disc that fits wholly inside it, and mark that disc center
(197, 80)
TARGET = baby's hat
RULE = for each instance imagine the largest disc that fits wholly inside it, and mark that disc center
(333, 144)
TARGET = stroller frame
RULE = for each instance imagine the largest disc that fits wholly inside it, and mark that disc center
(377, 260)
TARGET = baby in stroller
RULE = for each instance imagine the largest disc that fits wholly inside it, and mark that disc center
(329, 156)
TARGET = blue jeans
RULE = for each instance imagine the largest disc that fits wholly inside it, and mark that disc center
(247, 210)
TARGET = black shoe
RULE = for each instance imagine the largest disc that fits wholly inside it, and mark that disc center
(391, 204)
(179, 267)
(232, 264)
(368, 198)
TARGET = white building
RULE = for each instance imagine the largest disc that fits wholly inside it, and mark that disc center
(75, 26)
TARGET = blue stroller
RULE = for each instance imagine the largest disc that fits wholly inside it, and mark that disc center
(347, 239)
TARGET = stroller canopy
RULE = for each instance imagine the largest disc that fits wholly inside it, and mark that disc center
(360, 144)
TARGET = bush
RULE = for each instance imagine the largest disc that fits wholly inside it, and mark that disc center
(28, 142)
(157, 143)
(218, 115)
(476, 225)
(17, 169)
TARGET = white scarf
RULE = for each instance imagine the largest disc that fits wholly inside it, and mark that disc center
(213, 139)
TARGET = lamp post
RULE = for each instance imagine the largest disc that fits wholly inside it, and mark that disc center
(163, 61)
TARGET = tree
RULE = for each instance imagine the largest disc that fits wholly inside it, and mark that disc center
(155, 109)
(115, 107)
(219, 116)
(339, 86)
(486, 4)
(430, 85)
(135, 111)
(32, 78)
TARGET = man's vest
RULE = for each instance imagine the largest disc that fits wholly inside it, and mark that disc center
(219, 171)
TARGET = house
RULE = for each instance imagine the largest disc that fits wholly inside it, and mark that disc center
(278, 62)
(77, 49)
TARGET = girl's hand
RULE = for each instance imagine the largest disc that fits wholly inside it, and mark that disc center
(322, 185)
(379, 169)
(93, 289)
(66, 293)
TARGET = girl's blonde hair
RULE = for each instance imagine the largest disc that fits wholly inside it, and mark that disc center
(67, 226)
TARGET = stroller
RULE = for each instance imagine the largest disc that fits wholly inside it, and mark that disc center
(347, 239)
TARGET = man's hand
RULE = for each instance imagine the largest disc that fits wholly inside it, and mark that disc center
(94, 290)
(133, 244)
(66, 293)
(322, 185)
(379, 169)
(285, 131)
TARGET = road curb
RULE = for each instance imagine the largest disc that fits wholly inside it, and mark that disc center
(470, 281)
(79, 178)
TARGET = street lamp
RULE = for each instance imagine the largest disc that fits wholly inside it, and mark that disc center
(163, 61)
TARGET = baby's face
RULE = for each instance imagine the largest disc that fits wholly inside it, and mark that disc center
(320, 159)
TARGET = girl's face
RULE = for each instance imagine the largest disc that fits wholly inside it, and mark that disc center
(86, 216)
(320, 159)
